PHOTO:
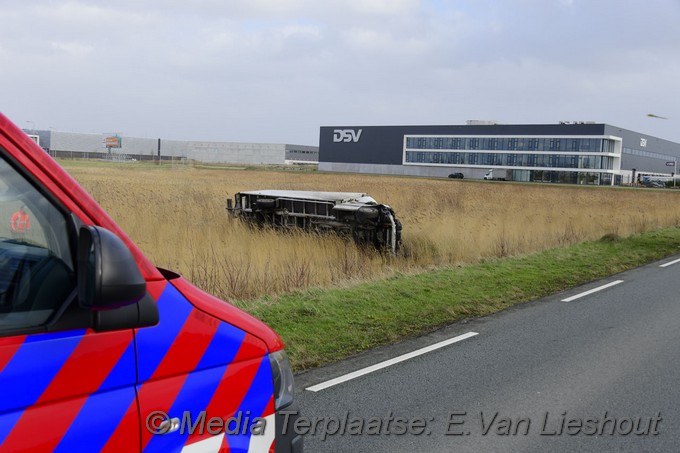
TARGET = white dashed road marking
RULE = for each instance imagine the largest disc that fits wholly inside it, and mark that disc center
(594, 290)
(390, 362)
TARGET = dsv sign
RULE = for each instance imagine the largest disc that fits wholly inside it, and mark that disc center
(346, 135)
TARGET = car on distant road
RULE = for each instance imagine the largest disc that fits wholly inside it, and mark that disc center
(456, 176)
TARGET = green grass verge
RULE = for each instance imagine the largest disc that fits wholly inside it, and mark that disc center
(320, 326)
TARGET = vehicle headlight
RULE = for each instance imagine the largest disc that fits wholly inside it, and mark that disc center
(283, 379)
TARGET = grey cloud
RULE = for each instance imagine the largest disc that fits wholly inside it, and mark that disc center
(274, 70)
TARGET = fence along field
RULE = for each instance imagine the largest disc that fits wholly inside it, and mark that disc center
(177, 216)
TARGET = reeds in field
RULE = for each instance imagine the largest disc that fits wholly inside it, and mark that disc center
(177, 216)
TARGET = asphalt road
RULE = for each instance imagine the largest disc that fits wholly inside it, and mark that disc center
(596, 373)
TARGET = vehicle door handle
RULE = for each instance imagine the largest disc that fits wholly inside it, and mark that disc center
(168, 426)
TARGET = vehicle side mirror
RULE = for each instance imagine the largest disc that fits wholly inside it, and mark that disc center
(108, 275)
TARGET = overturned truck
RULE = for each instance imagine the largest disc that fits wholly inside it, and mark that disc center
(352, 214)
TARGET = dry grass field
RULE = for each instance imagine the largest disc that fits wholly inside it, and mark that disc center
(177, 216)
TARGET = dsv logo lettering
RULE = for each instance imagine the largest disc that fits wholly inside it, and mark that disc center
(346, 135)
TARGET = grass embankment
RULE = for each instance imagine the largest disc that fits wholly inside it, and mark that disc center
(323, 326)
(176, 215)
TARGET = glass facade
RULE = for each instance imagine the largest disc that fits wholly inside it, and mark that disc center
(511, 159)
(570, 177)
(581, 145)
(540, 159)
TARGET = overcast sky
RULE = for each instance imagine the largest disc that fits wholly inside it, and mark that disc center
(277, 70)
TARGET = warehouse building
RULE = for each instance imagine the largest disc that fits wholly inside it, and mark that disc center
(573, 152)
(119, 147)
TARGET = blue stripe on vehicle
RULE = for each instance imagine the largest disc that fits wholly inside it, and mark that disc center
(124, 372)
(255, 402)
(154, 342)
(201, 384)
(54, 335)
(34, 366)
(104, 410)
(97, 420)
(194, 397)
(223, 347)
(7, 422)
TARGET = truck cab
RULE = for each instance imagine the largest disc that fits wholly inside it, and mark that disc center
(102, 351)
(498, 175)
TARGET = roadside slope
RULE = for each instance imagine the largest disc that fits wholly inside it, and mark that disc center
(323, 326)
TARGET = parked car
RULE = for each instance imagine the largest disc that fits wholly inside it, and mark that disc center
(456, 176)
(101, 350)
